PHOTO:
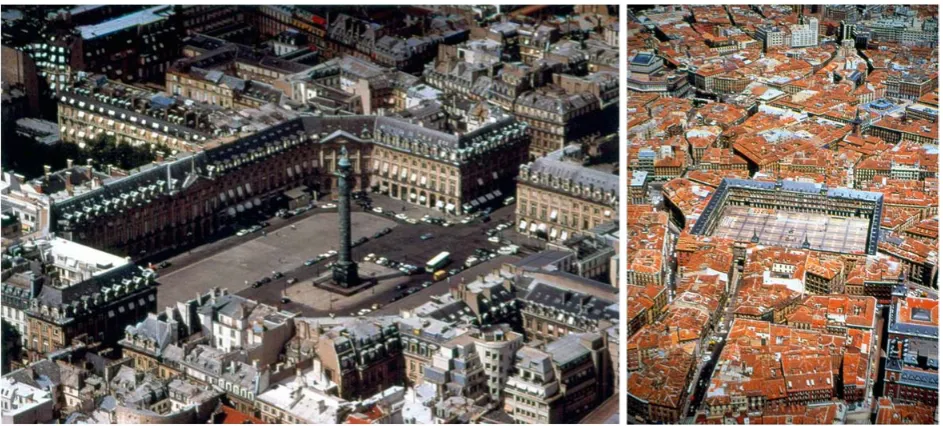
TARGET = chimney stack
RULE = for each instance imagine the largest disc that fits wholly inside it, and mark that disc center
(46, 171)
(68, 179)
(88, 168)
(68, 163)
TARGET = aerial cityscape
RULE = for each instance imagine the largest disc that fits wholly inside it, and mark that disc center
(311, 214)
(782, 227)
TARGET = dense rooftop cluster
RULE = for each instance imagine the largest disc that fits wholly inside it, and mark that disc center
(794, 149)
(254, 114)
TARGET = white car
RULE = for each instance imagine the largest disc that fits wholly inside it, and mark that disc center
(378, 209)
(411, 221)
(505, 251)
(466, 220)
(369, 257)
(329, 206)
(382, 261)
(242, 232)
(471, 261)
(401, 216)
(446, 224)
(494, 239)
(331, 253)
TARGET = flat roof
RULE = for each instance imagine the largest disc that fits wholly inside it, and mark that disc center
(143, 17)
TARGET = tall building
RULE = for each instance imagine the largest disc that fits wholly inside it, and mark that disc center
(557, 197)
(805, 35)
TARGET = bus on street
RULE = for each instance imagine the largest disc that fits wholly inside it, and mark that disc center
(437, 262)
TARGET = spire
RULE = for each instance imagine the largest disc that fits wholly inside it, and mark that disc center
(755, 238)
(805, 243)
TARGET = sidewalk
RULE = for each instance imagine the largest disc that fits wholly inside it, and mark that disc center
(413, 211)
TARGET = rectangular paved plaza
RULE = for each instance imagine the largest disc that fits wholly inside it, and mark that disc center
(790, 229)
(282, 250)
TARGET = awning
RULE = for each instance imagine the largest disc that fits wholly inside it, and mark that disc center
(450, 206)
(404, 173)
(467, 207)
(563, 235)
(542, 227)
(383, 187)
(489, 196)
(257, 201)
(523, 225)
(422, 198)
(240, 208)
(497, 192)
(422, 180)
(553, 215)
(231, 211)
(482, 200)
(395, 169)
(474, 203)
(481, 181)
(553, 233)
(607, 213)
(386, 167)
(222, 196)
(533, 227)
(413, 177)
(439, 204)
(413, 196)
(494, 175)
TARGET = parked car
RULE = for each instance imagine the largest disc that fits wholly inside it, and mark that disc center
(242, 232)
(494, 239)
(276, 275)
(378, 209)
(265, 280)
(454, 271)
(285, 300)
(426, 284)
(310, 262)
(291, 281)
(163, 265)
(401, 216)
(425, 236)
